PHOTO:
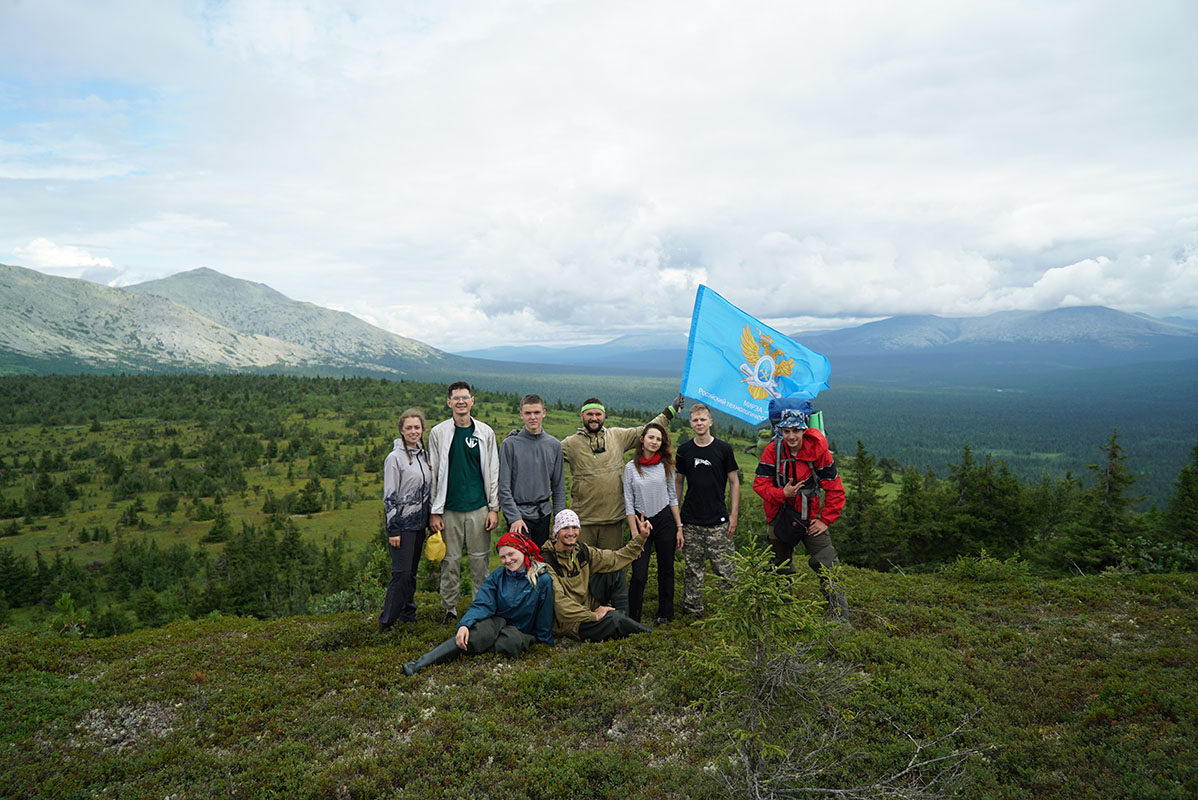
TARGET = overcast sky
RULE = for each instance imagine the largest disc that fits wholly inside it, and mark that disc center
(475, 174)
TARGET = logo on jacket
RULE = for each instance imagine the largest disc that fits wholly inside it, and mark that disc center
(471, 442)
(762, 377)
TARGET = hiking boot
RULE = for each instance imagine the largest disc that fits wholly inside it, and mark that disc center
(838, 607)
(449, 617)
(446, 651)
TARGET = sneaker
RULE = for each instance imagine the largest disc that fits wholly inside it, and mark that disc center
(662, 620)
(449, 617)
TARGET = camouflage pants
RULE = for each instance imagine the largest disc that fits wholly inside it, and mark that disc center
(703, 543)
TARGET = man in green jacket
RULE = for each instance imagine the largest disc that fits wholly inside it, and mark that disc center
(596, 457)
(576, 612)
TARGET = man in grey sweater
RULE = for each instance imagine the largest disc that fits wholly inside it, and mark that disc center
(532, 485)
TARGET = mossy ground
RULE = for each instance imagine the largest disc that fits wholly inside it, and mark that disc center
(1083, 687)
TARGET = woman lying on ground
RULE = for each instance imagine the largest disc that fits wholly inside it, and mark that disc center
(512, 610)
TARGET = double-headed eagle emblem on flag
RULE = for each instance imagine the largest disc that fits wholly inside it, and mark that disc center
(762, 367)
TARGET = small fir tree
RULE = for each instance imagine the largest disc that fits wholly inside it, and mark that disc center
(1181, 520)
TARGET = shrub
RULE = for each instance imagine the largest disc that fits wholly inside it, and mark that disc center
(984, 568)
(782, 710)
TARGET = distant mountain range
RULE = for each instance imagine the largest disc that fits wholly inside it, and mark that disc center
(634, 353)
(1089, 327)
(194, 321)
(924, 347)
(203, 320)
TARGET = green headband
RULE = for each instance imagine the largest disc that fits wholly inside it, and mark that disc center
(589, 406)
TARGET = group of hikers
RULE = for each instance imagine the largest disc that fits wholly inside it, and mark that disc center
(562, 569)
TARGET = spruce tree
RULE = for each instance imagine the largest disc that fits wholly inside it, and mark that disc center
(1102, 535)
(1111, 511)
(867, 532)
(1181, 522)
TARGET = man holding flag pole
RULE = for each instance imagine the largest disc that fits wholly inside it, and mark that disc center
(736, 364)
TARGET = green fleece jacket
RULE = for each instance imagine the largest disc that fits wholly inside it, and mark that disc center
(572, 600)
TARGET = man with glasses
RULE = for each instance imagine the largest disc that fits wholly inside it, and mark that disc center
(465, 494)
(596, 457)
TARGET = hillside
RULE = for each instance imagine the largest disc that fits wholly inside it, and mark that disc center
(257, 308)
(198, 321)
(46, 317)
(201, 320)
(1071, 688)
(1040, 686)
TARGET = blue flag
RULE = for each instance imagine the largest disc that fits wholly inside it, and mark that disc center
(735, 364)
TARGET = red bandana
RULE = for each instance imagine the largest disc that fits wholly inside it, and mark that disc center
(519, 541)
(651, 460)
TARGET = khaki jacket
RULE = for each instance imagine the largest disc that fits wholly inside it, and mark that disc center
(597, 470)
(573, 603)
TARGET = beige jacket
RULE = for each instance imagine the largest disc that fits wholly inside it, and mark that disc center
(597, 470)
(573, 603)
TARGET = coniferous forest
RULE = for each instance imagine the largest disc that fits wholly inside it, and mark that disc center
(139, 500)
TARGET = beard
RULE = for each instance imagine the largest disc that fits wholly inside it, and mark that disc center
(593, 426)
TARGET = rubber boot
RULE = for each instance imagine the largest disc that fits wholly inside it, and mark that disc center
(838, 607)
(446, 651)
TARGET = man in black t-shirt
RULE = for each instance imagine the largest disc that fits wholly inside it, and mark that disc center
(707, 465)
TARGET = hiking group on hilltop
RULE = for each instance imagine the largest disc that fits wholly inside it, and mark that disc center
(562, 569)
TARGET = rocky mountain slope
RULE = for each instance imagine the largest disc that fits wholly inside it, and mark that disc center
(256, 308)
(198, 321)
(46, 317)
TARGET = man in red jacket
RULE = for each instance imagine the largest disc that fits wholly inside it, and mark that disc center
(789, 477)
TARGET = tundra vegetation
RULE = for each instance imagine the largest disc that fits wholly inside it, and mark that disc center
(1010, 638)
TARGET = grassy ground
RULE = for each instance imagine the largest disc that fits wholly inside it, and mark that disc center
(1082, 688)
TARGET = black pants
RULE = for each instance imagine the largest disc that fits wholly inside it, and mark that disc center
(399, 604)
(538, 529)
(663, 539)
(610, 589)
(614, 625)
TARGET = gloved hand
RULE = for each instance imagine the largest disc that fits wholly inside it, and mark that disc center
(677, 404)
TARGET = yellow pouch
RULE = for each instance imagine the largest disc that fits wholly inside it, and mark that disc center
(434, 547)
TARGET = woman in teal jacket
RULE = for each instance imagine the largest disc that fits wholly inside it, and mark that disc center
(512, 610)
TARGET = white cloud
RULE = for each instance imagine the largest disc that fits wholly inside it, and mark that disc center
(468, 174)
(46, 255)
